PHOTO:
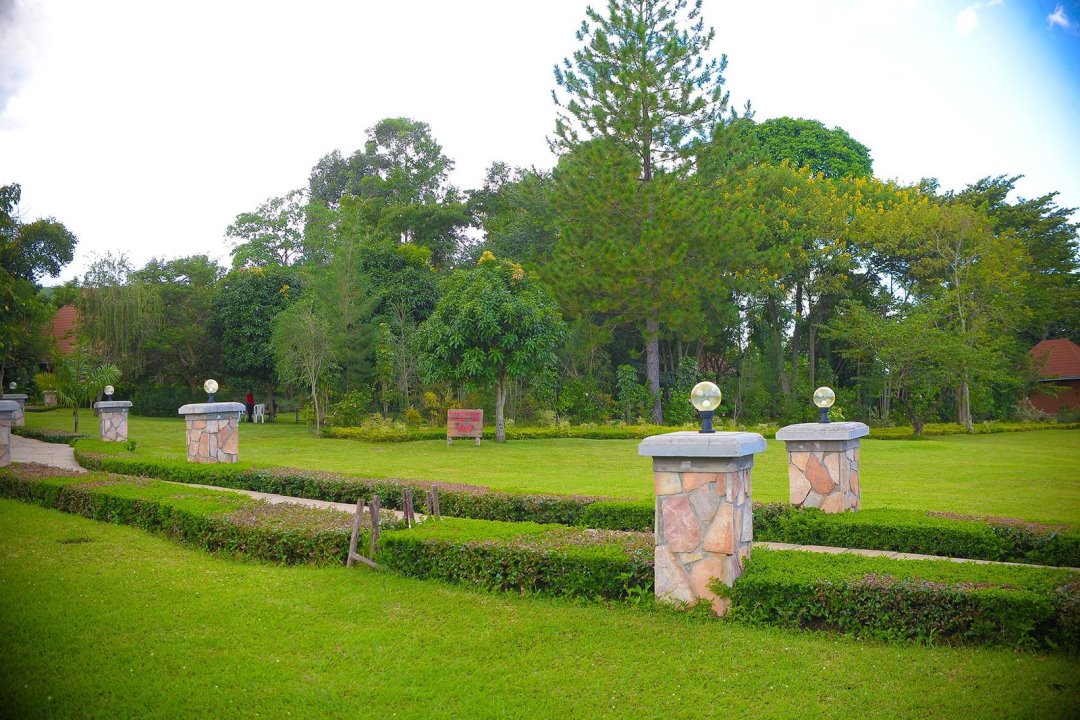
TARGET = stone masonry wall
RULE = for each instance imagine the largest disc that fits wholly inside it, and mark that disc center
(213, 438)
(5, 439)
(114, 425)
(824, 474)
(704, 526)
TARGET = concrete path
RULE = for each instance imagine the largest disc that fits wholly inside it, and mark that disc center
(27, 450)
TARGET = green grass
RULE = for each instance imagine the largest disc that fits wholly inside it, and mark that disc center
(110, 622)
(1031, 475)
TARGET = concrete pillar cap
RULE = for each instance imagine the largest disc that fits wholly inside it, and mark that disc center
(823, 431)
(710, 445)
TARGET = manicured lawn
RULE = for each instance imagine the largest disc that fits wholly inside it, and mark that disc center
(105, 621)
(1031, 475)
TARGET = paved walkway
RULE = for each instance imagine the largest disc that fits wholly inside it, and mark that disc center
(26, 450)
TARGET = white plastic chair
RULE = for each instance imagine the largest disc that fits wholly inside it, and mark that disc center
(260, 413)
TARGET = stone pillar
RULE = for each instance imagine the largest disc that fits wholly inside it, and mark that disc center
(213, 431)
(823, 464)
(704, 515)
(8, 408)
(114, 419)
(20, 414)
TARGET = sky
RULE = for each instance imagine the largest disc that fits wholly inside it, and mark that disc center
(147, 127)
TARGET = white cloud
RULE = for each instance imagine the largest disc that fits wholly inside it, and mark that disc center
(1059, 18)
(967, 20)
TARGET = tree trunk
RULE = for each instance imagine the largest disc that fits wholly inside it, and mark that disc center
(315, 403)
(652, 366)
(811, 353)
(500, 401)
(75, 412)
(965, 406)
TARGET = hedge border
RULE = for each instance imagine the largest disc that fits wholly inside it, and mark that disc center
(975, 539)
(208, 532)
(886, 599)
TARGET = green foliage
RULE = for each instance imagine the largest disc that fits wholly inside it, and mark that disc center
(271, 235)
(522, 557)
(162, 400)
(304, 350)
(77, 380)
(493, 323)
(61, 437)
(212, 520)
(635, 400)
(808, 143)
(351, 409)
(248, 301)
(619, 515)
(913, 531)
(918, 600)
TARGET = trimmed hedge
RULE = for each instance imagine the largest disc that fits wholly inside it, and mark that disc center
(216, 521)
(920, 600)
(524, 557)
(986, 428)
(60, 437)
(917, 531)
(895, 530)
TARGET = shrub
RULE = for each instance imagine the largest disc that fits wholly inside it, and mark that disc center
(915, 531)
(162, 400)
(523, 557)
(412, 417)
(619, 515)
(60, 437)
(351, 409)
(919, 600)
(212, 520)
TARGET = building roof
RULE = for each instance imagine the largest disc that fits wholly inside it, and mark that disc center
(1060, 359)
(64, 325)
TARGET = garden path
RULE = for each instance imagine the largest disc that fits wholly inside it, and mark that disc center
(27, 450)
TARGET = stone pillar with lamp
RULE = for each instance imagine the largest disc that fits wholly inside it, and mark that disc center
(823, 459)
(113, 417)
(704, 512)
(213, 428)
(19, 418)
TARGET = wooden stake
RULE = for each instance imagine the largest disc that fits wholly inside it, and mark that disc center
(408, 507)
(355, 532)
(435, 501)
(374, 510)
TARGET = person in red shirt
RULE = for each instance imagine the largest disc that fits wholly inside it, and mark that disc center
(249, 401)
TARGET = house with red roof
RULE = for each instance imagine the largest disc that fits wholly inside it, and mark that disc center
(1059, 364)
(65, 325)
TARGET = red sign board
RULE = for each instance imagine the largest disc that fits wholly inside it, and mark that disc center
(464, 423)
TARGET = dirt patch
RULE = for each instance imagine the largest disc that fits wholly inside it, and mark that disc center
(287, 516)
(1006, 521)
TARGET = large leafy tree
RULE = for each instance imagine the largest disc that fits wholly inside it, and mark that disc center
(28, 251)
(247, 302)
(515, 209)
(643, 82)
(493, 323)
(832, 153)
(179, 345)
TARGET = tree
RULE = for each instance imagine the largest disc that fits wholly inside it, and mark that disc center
(247, 302)
(77, 379)
(179, 345)
(303, 348)
(275, 233)
(515, 209)
(641, 81)
(28, 251)
(808, 143)
(492, 324)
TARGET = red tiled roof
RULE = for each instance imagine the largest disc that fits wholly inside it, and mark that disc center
(64, 325)
(1060, 358)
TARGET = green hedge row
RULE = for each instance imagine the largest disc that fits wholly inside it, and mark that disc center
(917, 531)
(60, 437)
(210, 520)
(404, 433)
(895, 530)
(920, 600)
(524, 557)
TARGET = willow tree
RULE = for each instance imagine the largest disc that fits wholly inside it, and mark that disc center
(642, 79)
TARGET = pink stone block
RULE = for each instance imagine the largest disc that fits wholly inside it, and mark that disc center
(671, 583)
(798, 459)
(818, 475)
(854, 482)
(833, 503)
(667, 483)
(680, 527)
(798, 485)
(694, 480)
(720, 536)
(702, 574)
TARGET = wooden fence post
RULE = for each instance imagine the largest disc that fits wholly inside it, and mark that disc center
(374, 510)
(407, 507)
